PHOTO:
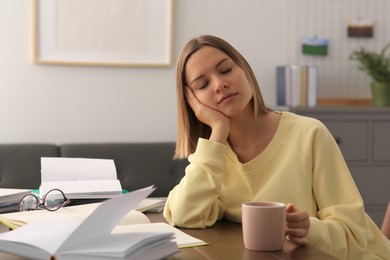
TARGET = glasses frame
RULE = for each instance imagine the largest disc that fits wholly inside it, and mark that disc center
(41, 203)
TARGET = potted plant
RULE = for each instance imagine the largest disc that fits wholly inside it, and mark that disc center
(377, 66)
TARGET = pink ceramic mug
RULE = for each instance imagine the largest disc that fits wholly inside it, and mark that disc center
(263, 225)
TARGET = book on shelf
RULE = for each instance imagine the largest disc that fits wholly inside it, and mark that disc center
(304, 86)
(10, 198)
(80, 178)
(296, 86)
(294, 97)
(60, 237)
(312, 83)
(281, 88)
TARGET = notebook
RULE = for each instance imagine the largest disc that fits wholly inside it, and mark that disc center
(10, 198)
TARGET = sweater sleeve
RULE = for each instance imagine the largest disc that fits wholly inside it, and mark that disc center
(194, 202)
(342, 227)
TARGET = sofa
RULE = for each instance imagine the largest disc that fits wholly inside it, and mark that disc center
(138, 164)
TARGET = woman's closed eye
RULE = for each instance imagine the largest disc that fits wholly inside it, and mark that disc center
(225, 71)
(202, 84)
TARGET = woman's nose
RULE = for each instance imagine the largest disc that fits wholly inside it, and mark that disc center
(220, 85)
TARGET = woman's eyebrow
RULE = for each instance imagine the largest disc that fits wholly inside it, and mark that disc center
(222, 61)
(216, 66)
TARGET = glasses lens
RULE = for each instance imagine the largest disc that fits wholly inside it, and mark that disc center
(28, 202)
(54, 200)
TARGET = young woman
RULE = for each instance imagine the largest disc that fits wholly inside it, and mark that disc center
(241, 151)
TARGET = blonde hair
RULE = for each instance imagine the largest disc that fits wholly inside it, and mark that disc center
(189, 128)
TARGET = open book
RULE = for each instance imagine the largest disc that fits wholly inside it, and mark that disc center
(59, 237)
(152, 204)
(80, 178)
(133, 221)
(15, 220)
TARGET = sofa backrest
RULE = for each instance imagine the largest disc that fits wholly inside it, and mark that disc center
(138, 164)
(20, 164)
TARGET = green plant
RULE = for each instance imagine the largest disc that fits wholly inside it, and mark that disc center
(377, 65)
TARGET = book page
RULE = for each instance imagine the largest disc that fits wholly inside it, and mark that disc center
(135, 245)
(105, 217)
(77, 169)
(152, 204)
(18, 219)
(41, 238)
(84, 189)
(80, 177)
(59, 236)
(182, 239)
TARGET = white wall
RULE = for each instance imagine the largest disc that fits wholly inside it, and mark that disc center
(42, 103)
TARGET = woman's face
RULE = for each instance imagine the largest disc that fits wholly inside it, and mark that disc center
(217, 81)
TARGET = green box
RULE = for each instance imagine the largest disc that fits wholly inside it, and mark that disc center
(320, 50)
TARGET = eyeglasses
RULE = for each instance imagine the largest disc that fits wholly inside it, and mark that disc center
(52, 201)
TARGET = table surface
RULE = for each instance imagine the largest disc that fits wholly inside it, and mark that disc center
(225, 242)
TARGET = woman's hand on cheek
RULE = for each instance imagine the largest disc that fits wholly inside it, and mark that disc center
(219, 122)
(298, 225)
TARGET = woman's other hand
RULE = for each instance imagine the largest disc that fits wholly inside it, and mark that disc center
(219, 123)
(298, 224)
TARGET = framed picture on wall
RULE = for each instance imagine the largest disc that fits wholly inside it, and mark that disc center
(102, 33)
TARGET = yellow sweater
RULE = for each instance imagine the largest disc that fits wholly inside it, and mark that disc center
(302, 165)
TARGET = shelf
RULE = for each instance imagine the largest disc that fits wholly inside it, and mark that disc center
(340, 102)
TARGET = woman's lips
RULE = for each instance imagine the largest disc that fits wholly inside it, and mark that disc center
(226, 97)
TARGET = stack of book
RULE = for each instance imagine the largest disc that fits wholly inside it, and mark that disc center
(296, 86)
(10, 198)
(106, 230)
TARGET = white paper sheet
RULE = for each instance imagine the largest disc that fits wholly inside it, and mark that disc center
(77, 169)
(80, 178)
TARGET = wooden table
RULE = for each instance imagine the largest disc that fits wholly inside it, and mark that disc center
(225, 242)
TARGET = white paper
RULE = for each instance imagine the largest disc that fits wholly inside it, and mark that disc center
(56, 228)
(80, 178)
(182, 239)
(81, 212)
(152, 204)
(77, 169)
(84, 189)
(103, 220)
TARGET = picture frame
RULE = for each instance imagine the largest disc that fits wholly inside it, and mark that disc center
(102, 33)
